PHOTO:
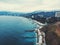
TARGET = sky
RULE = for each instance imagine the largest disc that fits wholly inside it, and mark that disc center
(29, 5)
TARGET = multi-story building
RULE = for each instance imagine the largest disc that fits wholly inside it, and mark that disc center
(57, 14)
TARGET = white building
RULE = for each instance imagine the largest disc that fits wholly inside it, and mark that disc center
(57, 14)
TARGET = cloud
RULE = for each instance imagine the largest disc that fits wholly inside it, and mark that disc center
(29, 5)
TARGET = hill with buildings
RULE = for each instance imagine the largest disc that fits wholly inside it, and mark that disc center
(41, 16)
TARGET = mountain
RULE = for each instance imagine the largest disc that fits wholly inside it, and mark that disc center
(40, 16)
(7, 13)
(45, 14)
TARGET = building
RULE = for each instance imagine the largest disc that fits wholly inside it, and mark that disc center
(57, 14)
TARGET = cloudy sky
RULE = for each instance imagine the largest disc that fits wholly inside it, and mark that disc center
(29, 5)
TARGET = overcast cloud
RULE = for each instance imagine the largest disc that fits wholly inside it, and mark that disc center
(29, 5)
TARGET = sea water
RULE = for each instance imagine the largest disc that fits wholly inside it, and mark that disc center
(13, 31)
